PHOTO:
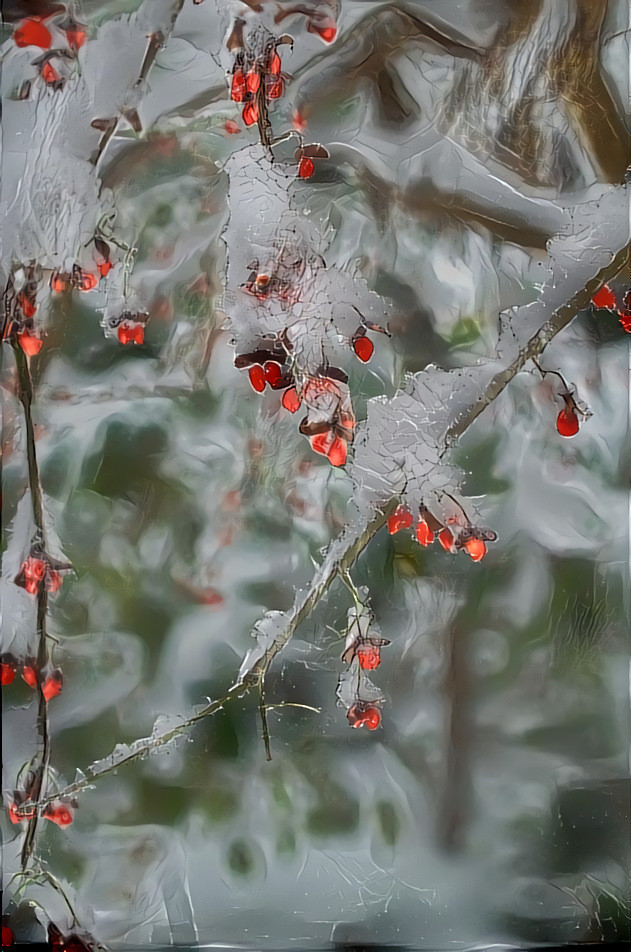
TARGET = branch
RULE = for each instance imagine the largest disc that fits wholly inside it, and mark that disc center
(39, 764)
(276, 628)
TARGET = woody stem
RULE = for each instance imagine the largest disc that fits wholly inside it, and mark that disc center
(40, 761)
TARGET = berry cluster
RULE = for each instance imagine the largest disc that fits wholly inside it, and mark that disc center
(362, 652)
(454, 535)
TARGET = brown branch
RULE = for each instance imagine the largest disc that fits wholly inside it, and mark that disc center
(39, 763)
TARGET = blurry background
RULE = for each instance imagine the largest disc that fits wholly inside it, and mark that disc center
(492, 806)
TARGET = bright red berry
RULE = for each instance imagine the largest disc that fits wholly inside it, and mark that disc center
(27, 306)
(75, 37)
(306, 167)
(129, 333)
(567, 423)
(274, 64)
(446, 539)
(7, 673)
(86, 281)
(257, 378)
(364, 348)
(50, 74)
(291, 400)
(52, 685)
(361, 716)
(605, 298)
(29, 674)
(337, 452)
(250, 113)
(252, 81)
(237, 88)
(61, 815)
(369, 657)
(401, 518)
(476, 549)
(231, 127)
(424, 534)
(30, 343)
(7, 937)
(625, 321)
(274, 88)
(273, 372)
(104, 268)
(32, 33)
(325, 28)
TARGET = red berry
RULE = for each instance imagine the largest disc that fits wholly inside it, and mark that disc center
(369, 657)
(231, 127)
(32, 33)
(291, 400)
(253, 81)
(567, 423)
(60, 815)
(476, 549)
(7, 673)
(274, 64)
(76, 38)
(27, 306)
(129, 333)
(237, 88)
(401, 518)
(625, 321)
(325, 28)
(29, 674)
(424, 534)
(604, 298)
(60, 282)
(360, 716)
(52, 685)
(274, 88)
(337, 452)
(306, 167)
(7, 937)
(363, 347)
(257, 378)
(250, 113)
(446, 539)
(321, 442)
(104, 268)
(86, 281)
(50, 74)
(30, 344)
(273, 372)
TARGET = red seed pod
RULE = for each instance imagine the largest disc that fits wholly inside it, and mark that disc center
(476, 548)
(62, 815)
(52, 685)
(362, 715)
(274, 88)
(7, 936)
(337, 452)
(424, 534)
(325, 27)
(274, 64)
(29, 674)
(27, 305)
(273, 372)
(85, 281)
(291, 401)
(369, 657)
(252, 81)
(605, 298)
(104, 268)
(7, 672)
(567, 422)
(49, 74)
(237, 88)
(30, 343)
(401, 518)
(131, 333)
(363, 347)
(32, 33)
(250, 113)
(257, 378)
(446, 539)
(306, 167)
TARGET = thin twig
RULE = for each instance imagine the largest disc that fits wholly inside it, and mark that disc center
(263, 713)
